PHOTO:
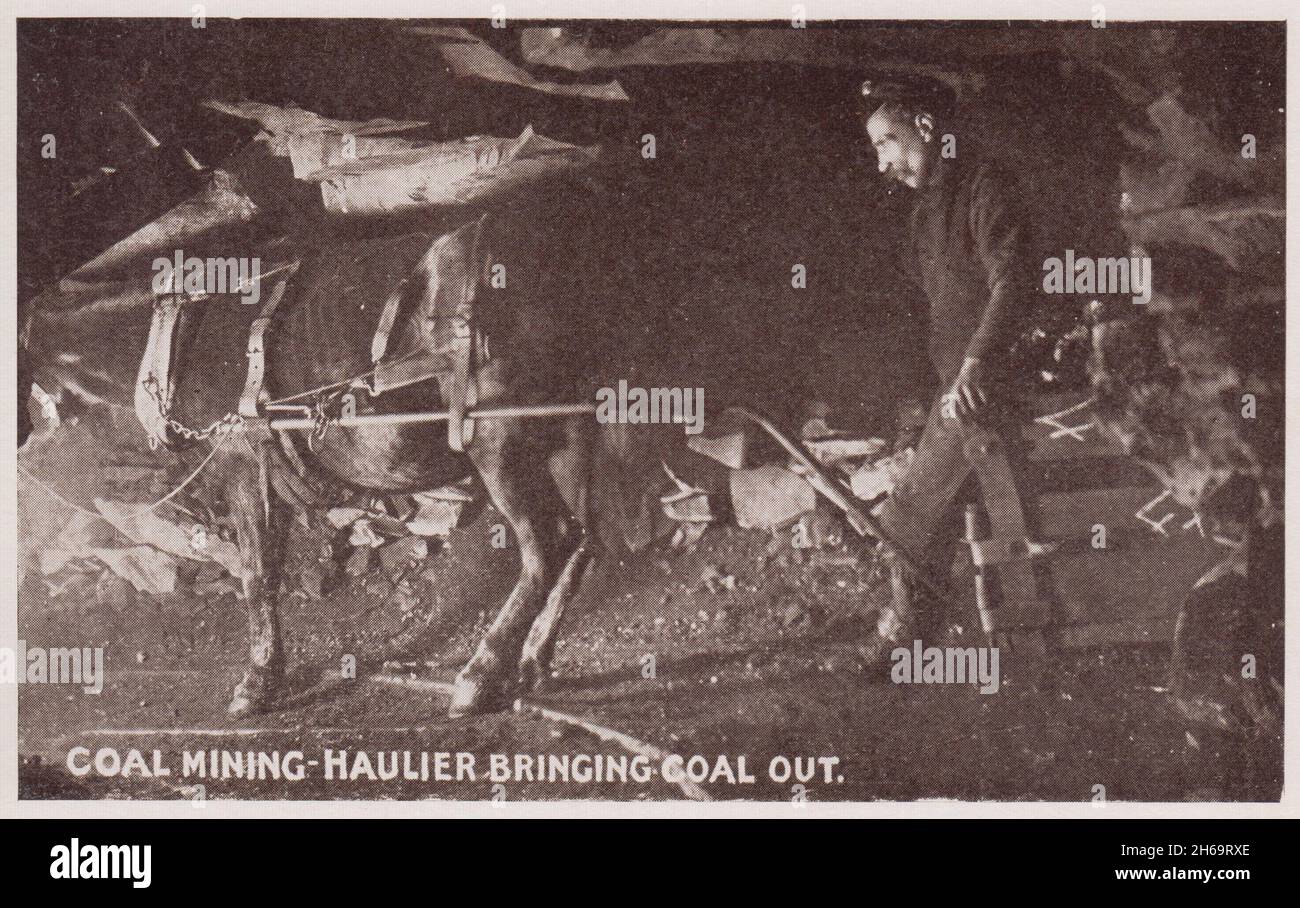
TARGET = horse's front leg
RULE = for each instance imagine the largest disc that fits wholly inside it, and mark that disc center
(514, 470)
(260, 523)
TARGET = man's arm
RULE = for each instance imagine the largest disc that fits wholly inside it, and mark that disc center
(998, 228)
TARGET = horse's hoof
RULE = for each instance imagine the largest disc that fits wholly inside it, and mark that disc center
(472, 697)
(255, 694)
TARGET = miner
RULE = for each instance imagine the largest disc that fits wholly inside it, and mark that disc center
(968, 241)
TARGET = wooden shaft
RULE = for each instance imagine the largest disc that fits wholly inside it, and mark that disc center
(858, 518)
(987, 623)
(535, 411)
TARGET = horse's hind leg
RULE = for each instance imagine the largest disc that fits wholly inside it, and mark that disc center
(515, 474)
(260, 524)
(570, 470)
(539, 646)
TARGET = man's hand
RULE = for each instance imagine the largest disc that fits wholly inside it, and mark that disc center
(968, 395)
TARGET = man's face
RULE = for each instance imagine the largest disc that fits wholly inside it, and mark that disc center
(904, 148)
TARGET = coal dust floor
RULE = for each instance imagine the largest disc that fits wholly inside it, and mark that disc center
(736, 659)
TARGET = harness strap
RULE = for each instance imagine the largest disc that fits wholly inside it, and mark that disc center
(464, 391)
(154, 385)
(250, 401)
(387, 319)
(448, 277)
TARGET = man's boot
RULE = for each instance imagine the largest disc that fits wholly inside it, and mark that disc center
(905, 611)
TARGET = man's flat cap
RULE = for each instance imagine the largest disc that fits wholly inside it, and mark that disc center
(931, 97)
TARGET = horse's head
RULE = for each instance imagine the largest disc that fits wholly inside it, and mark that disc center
(85, 335)
(83, 346)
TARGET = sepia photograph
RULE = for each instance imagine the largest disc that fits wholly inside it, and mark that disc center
(794, 410)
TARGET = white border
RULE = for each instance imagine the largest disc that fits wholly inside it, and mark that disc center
(1127, 10)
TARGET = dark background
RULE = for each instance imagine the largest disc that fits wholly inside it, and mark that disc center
(759, 167)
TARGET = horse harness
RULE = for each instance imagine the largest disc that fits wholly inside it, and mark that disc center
(450, 272)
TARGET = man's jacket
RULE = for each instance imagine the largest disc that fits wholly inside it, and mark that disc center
(969, 242)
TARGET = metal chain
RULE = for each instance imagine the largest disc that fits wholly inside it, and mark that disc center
(224, 424)
(321, 405)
